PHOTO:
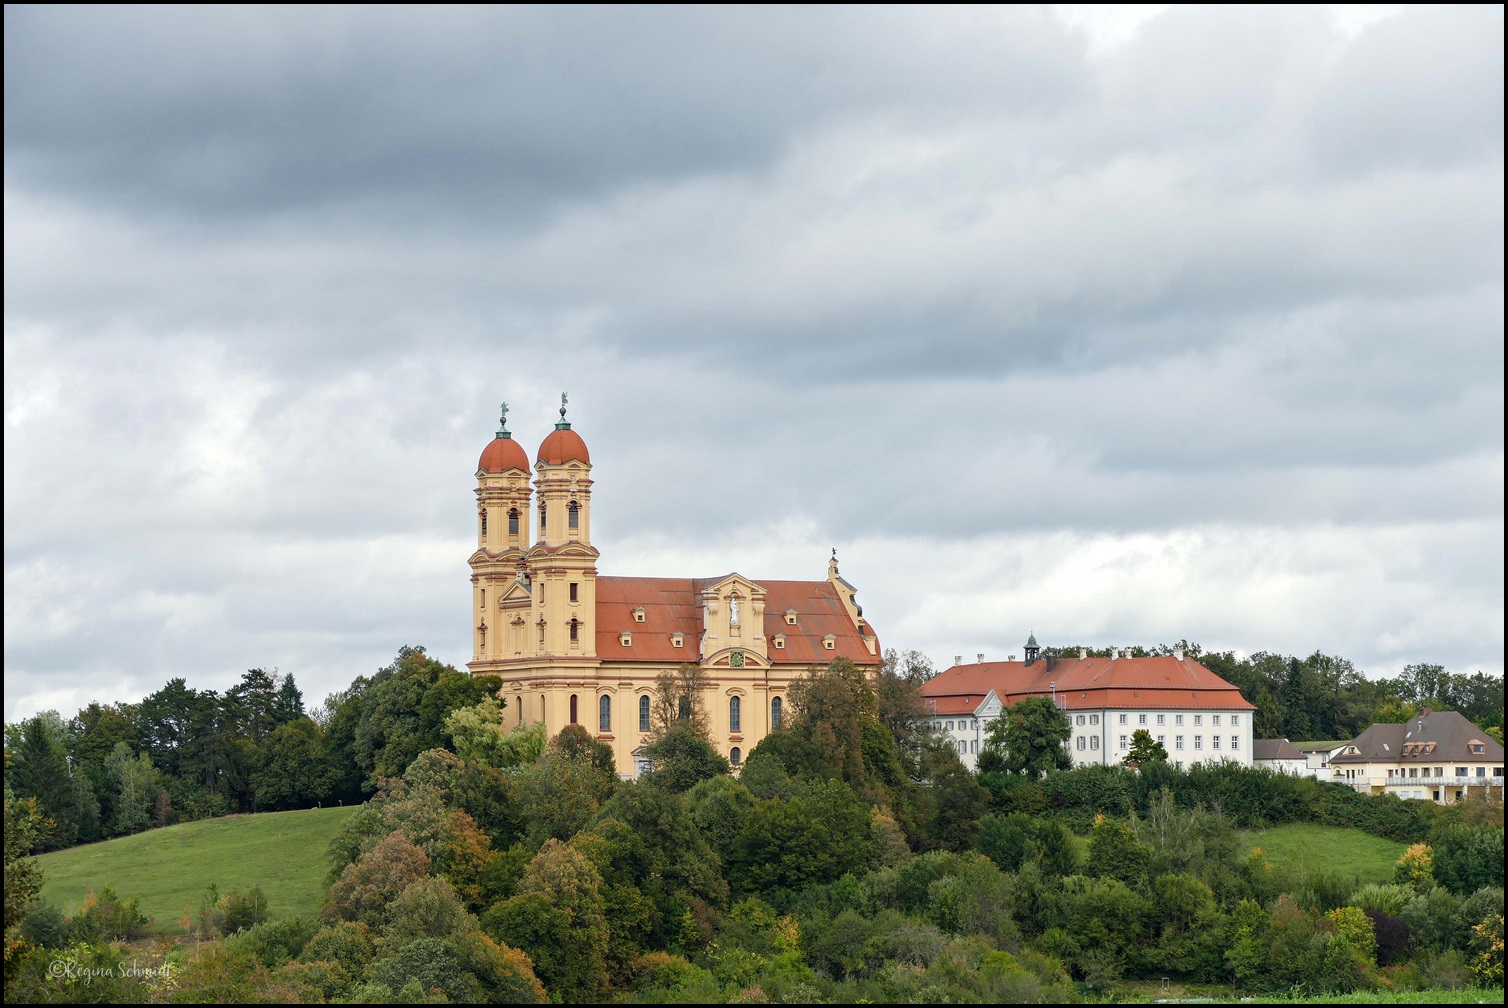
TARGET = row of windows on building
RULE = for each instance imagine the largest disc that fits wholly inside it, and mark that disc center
(573, 518)
(1416, 772)
(1235, 742)
(1094, 719)
(735, 713)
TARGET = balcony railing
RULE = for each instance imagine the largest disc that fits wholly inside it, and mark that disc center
(1444, 782)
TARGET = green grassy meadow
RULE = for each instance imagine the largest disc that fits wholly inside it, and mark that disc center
(1301, 849)
(283, 852)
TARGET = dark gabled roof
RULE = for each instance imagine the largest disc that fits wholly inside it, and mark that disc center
(1429, 737)
(1274, 749)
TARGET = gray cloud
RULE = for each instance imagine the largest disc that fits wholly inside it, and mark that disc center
(1198, 335)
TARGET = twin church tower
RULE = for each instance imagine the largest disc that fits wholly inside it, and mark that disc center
(573, 647)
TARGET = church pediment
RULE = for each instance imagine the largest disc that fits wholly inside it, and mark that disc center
(734, 582)
(735, 658)
(515, 592)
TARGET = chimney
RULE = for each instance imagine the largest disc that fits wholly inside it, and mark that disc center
(1083, 653)
(1114, 653)
(980, 656)
(1010, 657)
(1178, 653)
(958, 659)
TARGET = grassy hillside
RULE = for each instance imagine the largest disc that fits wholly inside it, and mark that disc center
(283, 852)
(1301, 848)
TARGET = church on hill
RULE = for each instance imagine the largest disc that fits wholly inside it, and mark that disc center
(575, 647)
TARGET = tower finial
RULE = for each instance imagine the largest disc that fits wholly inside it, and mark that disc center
(563, 424)
(502, 423)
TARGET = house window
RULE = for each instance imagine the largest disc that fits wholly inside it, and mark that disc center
(573, 708)
(1215, 720)
(1214, 741)
(626, 639)
(1161, 739)
(1198, 741)
(1178, 720)
(950, 726)
(638, 614)
(1162, 719)
(1233, 721)
(573, 516)
(1080, 719)
(513, 521)
(1460, 771)
(1198, 720)
(1123, 743)
(1141, 719)
(675, 640)
(735, 714)
(644, 713)
(1123, 719)
(790, 617)
(1413, 772)
(1094, 719)
(775, 712)
(829, 642)
(974, 746)
(575, 597)
(1081, 743)
(1481, 771)
(735, 756)
(1178, 742)
(605, 714)
(1235, 741)
(1478, 747)
(1094, 741)
(780, 641)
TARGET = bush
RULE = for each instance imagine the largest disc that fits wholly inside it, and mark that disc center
(277, 942)
(45, 926)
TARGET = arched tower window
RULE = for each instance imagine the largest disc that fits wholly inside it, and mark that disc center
(576, 631)
(775, 712)
(513, 521)
(541, 517)
(481, 632)
(644, 713)
(735, 714)
(735, 757)
(484, 523)
(605, 714)
(573, 516)
(573, 708)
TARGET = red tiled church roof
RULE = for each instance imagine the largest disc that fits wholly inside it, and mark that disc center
(673, 605)
(561, 446)
(1162, 681)
(502, 454)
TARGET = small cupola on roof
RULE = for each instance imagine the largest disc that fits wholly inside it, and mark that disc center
(502, 452)
(1031, 648)
(562, 444)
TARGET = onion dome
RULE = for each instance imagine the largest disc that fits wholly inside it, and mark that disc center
(562, 444)
(503, 453)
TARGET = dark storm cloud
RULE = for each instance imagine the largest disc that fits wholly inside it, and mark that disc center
(485, 115)
(1199, 335)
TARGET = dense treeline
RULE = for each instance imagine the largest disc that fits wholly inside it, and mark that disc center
(852, 859)
(183, 754)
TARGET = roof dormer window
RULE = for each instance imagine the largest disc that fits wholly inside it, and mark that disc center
(676, 640)
(626, 639)
(829, 642)
(790, 617)
(780, 641)
(638, 614)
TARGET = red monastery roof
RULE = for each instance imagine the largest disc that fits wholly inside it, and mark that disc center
(1086, 682)
(673, 605)
(561, 446)
(502, 454)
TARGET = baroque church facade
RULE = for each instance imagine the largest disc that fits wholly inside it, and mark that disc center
(572, 646)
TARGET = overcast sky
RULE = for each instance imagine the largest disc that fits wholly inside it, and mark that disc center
(1121, 326)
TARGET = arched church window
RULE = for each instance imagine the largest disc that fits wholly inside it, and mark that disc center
(575, 630)
(513, 521)
(644, 713)
(775, 713)
(573, 708)
(541, 517)
(573, 516)
(683, 708)
(482, 637)
(735, 757)
(735, 714)
(484, 523)
(605, 714)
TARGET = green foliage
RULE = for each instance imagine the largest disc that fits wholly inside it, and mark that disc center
(1115, 853)
(681, 758)
(1466, 858)
(557, 918)
(365, 889)
(36, 766)
(1144, 749)
(1028, 738)
(295, 769)
(275, 943)
(480, 736)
